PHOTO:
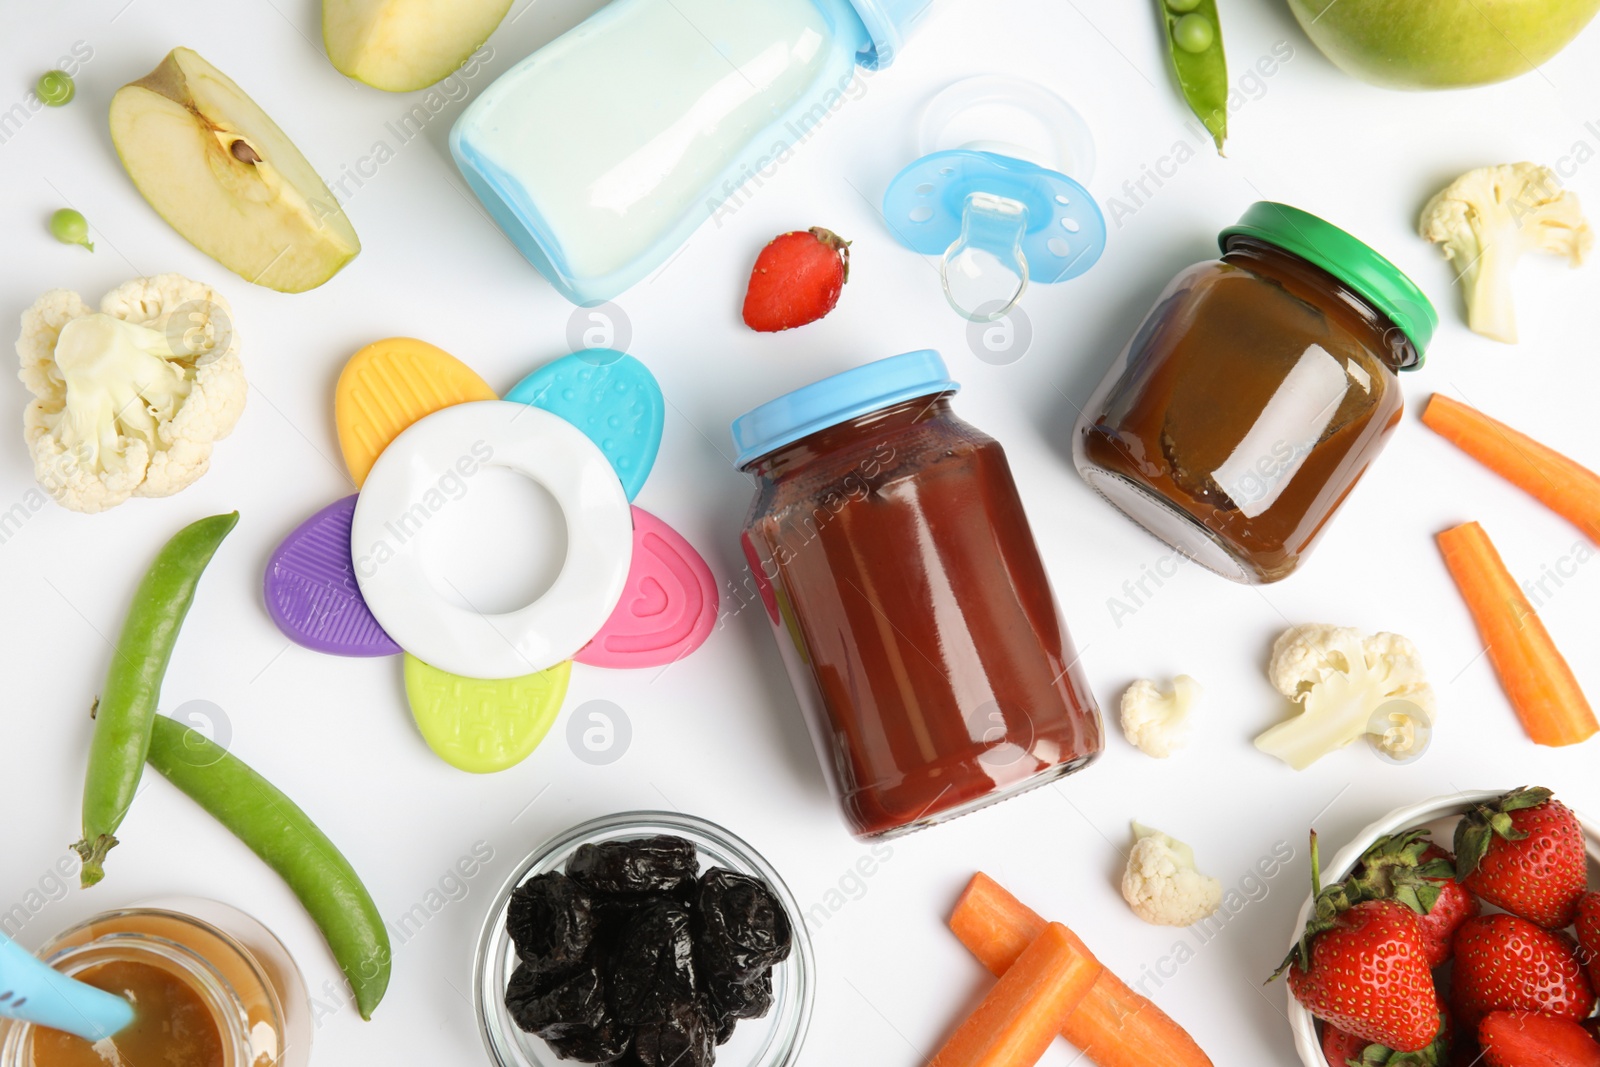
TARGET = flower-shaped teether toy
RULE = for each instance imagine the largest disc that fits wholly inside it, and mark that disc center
(354, 580)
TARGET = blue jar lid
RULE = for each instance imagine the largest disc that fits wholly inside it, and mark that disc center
(840, 398)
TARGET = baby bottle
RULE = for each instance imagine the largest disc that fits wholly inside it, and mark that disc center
(600, 153)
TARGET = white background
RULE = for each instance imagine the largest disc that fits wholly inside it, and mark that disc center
(719, 734)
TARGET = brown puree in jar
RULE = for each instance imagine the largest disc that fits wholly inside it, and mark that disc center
(164, 962)
(910, 586)
(1252, 401)
(172, 1026)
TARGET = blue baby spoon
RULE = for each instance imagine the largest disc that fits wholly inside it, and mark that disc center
(34, 992)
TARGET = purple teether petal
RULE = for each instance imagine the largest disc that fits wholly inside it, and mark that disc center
(312, 593)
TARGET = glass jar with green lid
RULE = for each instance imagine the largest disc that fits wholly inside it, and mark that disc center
(1256, 393)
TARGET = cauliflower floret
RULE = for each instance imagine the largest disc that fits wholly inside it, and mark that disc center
(129, 400)
(1486, 219)
(1156, 721)
(1161, 883)
(1343, 680)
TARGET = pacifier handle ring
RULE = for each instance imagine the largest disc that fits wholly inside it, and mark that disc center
(974, 315)
(995, 225)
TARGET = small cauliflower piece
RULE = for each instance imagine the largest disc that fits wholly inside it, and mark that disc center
(129, 399)
(1156, 721)
(1161, 883)
(1341, 679)
(1486, 219)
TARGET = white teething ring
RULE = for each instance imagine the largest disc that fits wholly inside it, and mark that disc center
(403, 491)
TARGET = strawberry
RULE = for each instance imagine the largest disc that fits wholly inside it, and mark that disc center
(1360, 966)
(1530, 1039)
(1588, 926)
(1346, 1050)
(1506, 963)
(1409, 868)
(1524, 852)
(1341, 1049)
(797, 279)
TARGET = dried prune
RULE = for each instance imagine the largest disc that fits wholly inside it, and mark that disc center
(686, 1038)
(750, 999)
(593, 1044)
(740, 926)
(652, 964)
(551, 920)
(555, 1008)
(659, 864)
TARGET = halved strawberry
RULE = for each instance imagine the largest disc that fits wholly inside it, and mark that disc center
(1506, 963)
(1524, 852)
(797, 279)
(1531, 1039)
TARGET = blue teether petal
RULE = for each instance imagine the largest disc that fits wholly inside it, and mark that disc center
(1066, 232)
(612, 398)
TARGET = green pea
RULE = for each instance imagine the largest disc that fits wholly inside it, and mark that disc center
(71, 228)
(127, 704)
(55, 87)
(1199, 63)
(276, 829)
(1194, 33)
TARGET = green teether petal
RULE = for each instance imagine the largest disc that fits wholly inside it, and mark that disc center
(484, 725)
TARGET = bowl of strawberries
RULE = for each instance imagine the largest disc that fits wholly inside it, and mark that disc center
(1462, 930)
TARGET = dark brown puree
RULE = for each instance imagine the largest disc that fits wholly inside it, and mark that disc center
(1205, 366)
(908, 577)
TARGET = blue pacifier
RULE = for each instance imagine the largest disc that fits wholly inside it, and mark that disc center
(992, 194)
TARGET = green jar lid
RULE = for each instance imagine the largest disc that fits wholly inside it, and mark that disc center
(1323, 244)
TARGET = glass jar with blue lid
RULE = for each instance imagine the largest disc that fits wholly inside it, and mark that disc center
(898, 569)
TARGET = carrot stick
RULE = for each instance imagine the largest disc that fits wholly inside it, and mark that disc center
(1562, 485)
(1541, 686)
(1114, 1026)
(1027, 1008)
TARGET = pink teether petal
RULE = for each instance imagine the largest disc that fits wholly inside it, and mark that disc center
(311, 589)
(668, 608)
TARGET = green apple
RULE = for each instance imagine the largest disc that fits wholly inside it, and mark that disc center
(401, 45)
(222, 173)
(1441, 44)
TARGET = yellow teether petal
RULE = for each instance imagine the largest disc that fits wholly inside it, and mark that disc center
(391, 384)
(483, 725)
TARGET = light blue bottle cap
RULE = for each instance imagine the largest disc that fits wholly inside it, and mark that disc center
(889, 23)
(838, 399)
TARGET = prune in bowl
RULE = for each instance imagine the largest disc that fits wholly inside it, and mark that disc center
(735, 989)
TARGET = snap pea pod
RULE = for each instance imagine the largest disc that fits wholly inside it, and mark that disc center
(127, 704)
(274, 828)
(1194, 40)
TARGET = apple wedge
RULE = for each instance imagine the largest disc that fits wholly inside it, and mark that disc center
(401, 45)
(222, 173)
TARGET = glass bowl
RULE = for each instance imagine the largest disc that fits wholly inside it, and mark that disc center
(1439, 814)
(773, 1041)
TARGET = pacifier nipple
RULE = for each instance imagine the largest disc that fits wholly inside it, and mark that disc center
(985, 271)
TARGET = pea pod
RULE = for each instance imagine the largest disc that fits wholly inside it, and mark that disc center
(274, 828)
(1194, 40)
(127, 704)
